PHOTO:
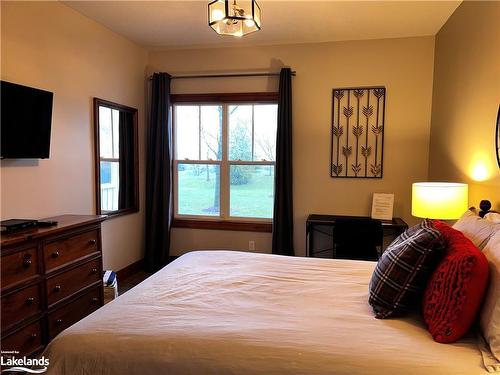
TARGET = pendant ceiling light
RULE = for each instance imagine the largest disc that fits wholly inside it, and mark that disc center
(228, 17)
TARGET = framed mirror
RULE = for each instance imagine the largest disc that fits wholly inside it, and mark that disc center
(116, 158)
(497, 137)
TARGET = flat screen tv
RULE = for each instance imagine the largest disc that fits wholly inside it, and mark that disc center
(26, 115)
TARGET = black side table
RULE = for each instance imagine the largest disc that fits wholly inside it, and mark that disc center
(319, 232)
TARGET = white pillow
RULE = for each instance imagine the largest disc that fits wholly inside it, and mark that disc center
(494, 217)
(476, 229)
(489, 318)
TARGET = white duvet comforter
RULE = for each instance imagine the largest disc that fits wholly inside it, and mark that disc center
(222, 312)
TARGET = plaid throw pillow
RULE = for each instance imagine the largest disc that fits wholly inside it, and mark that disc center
(402, 272)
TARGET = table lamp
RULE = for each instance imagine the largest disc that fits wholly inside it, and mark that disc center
(439, 200)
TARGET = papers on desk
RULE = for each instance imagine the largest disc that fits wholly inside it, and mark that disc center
(382, 206)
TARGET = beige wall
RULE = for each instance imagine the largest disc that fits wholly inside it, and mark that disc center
(404, 66)
(50, 46)
(465, 101)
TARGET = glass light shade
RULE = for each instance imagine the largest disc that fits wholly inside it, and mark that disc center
(233, 18)
(439, 200)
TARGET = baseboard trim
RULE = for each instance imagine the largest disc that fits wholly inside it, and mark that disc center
(128, 271)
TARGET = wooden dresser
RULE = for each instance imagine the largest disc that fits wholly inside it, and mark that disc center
(51, 278)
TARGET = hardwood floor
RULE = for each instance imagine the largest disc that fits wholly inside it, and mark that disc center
(134, 275)
(131, 281)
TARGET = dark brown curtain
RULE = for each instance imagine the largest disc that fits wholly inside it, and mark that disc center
(126, 166)
(283, 192)
(158, 174)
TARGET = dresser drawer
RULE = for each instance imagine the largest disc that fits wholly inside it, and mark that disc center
(65, 250)
(20, 305)
(71, 313)
(25, 341)
(69, 282)
(19, 266)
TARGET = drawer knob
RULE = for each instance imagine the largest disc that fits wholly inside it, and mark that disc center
(94, 300)
(59, 322)
(55, 254)
(33, 335)
(94, 270)
(30, 300)
(92, 242)
(27, 263)
(57, 288)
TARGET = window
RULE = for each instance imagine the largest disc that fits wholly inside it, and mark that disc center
(224, 157)
(109, 157)
(116, 159)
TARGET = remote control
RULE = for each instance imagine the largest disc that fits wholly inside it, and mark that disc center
(46, 223)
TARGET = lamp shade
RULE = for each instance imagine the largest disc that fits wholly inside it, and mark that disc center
(439, 200)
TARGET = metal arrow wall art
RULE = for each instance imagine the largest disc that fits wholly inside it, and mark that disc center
(357, 134)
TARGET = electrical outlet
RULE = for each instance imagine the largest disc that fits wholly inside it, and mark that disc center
(251, 245)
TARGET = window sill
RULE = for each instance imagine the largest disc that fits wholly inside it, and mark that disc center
(223, 225)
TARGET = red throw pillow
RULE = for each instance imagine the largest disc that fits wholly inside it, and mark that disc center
(456, 288)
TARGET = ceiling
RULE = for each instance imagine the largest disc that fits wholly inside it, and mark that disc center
(182, 24)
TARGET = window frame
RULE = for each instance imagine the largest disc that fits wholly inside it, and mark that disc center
(222, 221)
(97, 102)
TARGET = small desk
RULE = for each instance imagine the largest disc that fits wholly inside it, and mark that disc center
(323, 225)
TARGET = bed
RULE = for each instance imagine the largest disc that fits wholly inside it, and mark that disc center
(228, 312)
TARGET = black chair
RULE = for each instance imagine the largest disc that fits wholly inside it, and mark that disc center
(357, 238)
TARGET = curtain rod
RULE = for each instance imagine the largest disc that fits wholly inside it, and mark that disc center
(228, 75)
